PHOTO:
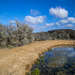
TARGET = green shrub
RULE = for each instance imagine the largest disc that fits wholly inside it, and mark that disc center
(35, 72)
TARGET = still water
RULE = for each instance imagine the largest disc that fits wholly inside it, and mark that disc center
(57, 61)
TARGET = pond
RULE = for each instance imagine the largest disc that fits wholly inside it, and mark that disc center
(56, 61)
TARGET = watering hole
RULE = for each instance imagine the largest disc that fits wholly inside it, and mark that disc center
(56, 61)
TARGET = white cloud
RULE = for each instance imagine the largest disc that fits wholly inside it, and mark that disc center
(57, 23)
(68, 20)
(59, 12)
(49, 24)
(64, 21)
(69, 25)
(12, 21)
(34, 20)
(71, 19)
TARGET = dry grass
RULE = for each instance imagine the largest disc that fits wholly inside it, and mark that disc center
(18, 61)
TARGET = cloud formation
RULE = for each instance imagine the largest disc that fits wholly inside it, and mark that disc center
(12, 21)
(63, 21)
(69, 25)
(40, 23)
(49, 24)
(34, 20)
(68, 22)
(71, 19)
(59, 12)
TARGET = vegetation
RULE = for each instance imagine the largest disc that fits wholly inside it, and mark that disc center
(15, 35)
(62, 34)
(19, 34)
(35, 72)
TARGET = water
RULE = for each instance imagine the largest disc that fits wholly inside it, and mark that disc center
(57, 61)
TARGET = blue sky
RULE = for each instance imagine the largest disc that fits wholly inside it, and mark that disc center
(42, 15)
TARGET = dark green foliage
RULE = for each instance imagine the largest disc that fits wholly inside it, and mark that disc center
(15, 35)
(35, 72)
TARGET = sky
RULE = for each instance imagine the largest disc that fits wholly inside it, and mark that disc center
(41, 15)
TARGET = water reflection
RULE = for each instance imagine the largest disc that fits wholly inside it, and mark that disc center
(58, 61)
(59, 56)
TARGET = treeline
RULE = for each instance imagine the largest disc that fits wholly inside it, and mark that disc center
(15, 35)
(60, 34)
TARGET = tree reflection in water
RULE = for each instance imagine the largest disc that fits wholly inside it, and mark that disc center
(58, 61)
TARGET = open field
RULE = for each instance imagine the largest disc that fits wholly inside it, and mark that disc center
(19, 60)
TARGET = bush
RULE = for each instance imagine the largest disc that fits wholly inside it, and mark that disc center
(35, 72)
(15, 35)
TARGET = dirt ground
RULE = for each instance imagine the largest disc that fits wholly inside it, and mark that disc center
(19, 60)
